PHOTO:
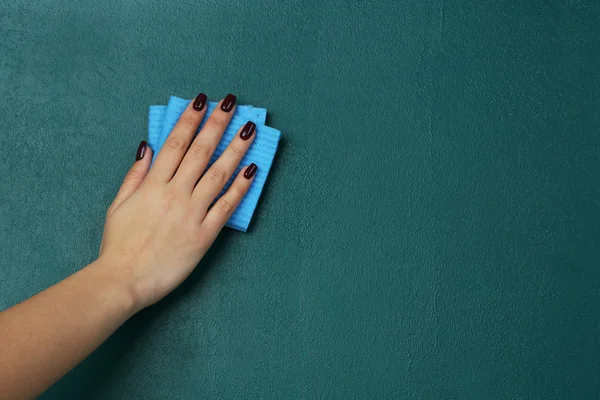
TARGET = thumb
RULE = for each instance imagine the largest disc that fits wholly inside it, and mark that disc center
(135, 176)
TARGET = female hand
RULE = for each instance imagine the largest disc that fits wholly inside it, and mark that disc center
(157, 229)
(161, 223)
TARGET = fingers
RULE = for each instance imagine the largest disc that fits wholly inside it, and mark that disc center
(197, 157)
(179, 139)
(219, 173)
(220, 212)
(135, 176)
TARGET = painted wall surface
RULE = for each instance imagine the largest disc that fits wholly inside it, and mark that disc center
(431, 227)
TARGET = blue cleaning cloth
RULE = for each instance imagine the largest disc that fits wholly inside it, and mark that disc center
(262, 151)
(156, 115)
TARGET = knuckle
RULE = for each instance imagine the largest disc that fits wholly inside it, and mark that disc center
(238, 150)
(217, 123)
(167, 200)
(236, 192)
(175, 142)
(189, 119)
(225, 206)
(216, 175)
(200, 150)
(133, 176)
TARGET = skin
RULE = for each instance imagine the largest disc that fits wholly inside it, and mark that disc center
(157, 230)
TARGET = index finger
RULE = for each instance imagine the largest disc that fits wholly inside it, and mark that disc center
(178, 141)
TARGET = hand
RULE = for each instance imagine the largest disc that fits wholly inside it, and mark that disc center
(157, 229)
(160, 225)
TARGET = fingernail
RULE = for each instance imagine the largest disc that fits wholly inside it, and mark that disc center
(200, 102)
(248, 130)
(250, 171)
(228, 103)
(141, 150)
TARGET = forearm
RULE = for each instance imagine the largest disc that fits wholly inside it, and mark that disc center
(44, 337)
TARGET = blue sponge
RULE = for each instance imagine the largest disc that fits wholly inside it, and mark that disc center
(162, 119)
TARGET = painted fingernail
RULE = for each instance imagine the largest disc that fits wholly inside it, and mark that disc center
(141, 150)
(200, 102)
(248, 130)
(228, 103)
(250, 171)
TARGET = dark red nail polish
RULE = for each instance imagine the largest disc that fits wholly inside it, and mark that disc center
(248, 130)
(228, 103)
(200, 102)
(141, 150)
(250, 171)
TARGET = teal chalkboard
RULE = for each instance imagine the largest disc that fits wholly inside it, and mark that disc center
(431, 226)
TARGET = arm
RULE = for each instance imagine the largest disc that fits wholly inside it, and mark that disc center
(157, 230)
(42, 338)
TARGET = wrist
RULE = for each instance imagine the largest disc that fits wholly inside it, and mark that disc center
(115, 288)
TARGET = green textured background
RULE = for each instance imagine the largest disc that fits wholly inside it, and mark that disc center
(431, 227)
